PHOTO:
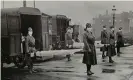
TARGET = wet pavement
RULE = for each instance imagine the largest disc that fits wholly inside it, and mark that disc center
(62, 69)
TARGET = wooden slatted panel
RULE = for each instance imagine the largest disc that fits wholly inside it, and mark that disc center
(4, 29)
(14, 34)
(45, 30)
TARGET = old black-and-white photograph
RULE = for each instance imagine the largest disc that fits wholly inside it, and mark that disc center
(66, 40)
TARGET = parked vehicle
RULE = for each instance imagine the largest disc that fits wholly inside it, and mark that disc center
(16, 21)
(59, 25)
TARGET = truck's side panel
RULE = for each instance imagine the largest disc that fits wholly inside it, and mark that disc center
(4, 29)
(13, 22)
(45, 33)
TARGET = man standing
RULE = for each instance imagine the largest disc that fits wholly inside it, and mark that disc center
(30, 48)
(111, 47)
(68, 38)
(104, 40)
(89, 57)
(120, 43)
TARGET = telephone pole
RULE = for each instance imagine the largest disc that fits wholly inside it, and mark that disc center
(3, 3)
(34, 4)
(24, 3)
(113, 15)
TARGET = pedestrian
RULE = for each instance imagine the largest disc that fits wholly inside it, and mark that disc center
(30, 48)
(104, 41)
(120, 43)
(111, 48)
(89, 57)
(68, 38)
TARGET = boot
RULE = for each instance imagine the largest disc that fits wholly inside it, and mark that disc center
(89, 73)
(88, 70)
(32, 71)
(110, 60)
(118, 54)
(103, 56)
(69, 57)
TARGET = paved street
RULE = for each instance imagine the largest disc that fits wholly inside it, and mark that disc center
(61, 69)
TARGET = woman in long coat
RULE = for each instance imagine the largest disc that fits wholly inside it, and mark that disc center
(89, 57)
(111, 47)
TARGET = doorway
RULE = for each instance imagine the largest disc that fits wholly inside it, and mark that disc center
(33, 21)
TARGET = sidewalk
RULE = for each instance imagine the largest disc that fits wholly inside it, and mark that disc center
(121, 69)
(131, 77)
(130, 51)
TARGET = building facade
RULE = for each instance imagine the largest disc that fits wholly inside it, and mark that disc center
(124, 20)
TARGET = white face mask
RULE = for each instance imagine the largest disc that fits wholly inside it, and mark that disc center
(104, 28)
(113, 29)
(30, 33)
(120, 30)
(89, 29)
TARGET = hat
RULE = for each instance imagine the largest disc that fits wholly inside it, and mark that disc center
(120, 28)
(111, 27)
(68, 28)
(88, 25)
(29, 29)
(104, 26)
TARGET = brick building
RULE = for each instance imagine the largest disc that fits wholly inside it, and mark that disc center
(124, 20)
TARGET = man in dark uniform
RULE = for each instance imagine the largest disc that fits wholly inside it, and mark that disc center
(89, 57)
(120, 43)
(30, 48)
(111, 48)
(104, 40)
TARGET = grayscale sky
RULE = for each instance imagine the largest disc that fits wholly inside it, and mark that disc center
(79, 11)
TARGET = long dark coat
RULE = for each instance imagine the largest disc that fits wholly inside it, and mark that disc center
(89, 57)
(104, 37)
(120, 41)
(111, 47)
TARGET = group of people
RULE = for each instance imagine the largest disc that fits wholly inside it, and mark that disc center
(89, 58)
(28, 46)
(108, 41)
(68, 40)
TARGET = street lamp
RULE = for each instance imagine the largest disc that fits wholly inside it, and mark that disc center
(3, 3)
(34, 4)
(114, 15)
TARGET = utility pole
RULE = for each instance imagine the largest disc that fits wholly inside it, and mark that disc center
(3, 3)
(34, 4)
(24, 3)
(113, 15)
